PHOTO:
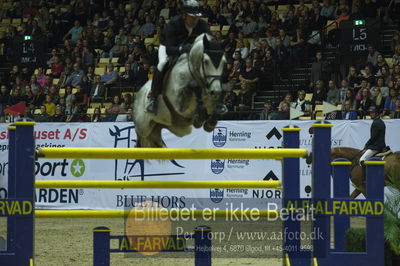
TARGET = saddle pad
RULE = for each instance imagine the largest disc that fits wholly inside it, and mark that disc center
(386, 153)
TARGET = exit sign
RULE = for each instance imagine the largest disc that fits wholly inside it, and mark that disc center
(359, 22)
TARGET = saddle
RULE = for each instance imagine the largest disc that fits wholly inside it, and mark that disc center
(385, 152)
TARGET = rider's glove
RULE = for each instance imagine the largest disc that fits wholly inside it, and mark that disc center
(185, 48)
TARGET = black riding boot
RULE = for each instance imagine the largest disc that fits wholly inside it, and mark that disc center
(156, 85)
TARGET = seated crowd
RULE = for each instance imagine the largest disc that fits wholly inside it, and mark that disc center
(101, 55)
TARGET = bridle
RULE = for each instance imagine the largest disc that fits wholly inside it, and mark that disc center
(201, 78)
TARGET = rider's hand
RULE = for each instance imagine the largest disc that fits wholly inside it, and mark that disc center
(185, 48)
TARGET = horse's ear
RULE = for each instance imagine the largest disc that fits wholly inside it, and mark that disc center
(205, 41)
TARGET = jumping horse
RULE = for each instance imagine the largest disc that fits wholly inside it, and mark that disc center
(392, 166)
(192, 90)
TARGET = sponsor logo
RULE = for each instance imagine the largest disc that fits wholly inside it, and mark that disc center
(238, 163)
(267, 193)
(217, 166)
(77, 168)
(130, 201)
(274, 133)
(216, 195)
(236, 192)
(308, 142)
(62, 195)
(239, 135)
(270, 176)
(60, 168)
(219, 136)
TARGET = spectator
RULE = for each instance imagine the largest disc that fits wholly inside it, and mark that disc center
(364, 103)
(127, 101)
(284, 113)
(147, 29)
(358, 90)
(396, 55)
(142, 73)
(234, 75)
(96, 117)
(245, 97)
(117, 49)
(59, 115)
(285, 39)
(333, 95)
(351, 98)
(266, 113)
(34, 84)
(391, 101)
(319, 69)
(16, 97)
(380, 63)
(368, 75)
(396, 113)
(40, 76)
(352, 77)
(81, 96)
(244, 51)
(72, 111)
(50, 106)
(43, 116)
(75, 32)
(13, 74)
(377, 98)
(347, 113)
(27, 95)
(327, 10)
(319, 94)
(249, 27)
(380, 83)
(128, 76)
(249, 75)
(297, 46)
(87, 57)
(385, 74)
(76, 76)
(122, 36)
(230, 100)
(5, 99)
(114, 109)
(18, 86)
(268, 70)
(110, 77)
(372, 56)
(52, 59)
(301, 103)
(38, 97)
(57, 67)
(287, 99)
(97, 91)
(342, 90)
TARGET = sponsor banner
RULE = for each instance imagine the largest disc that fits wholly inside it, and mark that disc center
(228, 134)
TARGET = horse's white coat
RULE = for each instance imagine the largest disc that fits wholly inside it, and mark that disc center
(148, 126)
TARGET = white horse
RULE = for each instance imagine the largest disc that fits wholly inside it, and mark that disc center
(192, 90)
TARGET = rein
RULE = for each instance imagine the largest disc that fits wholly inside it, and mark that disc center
(203, 80)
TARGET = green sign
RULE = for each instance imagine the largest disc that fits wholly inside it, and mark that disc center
(77, 167)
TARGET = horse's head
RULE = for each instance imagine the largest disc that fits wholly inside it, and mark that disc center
(207, 62)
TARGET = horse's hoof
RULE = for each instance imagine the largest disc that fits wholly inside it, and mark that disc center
(210, 125)
(197, 123)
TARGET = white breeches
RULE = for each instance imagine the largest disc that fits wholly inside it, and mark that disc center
(162, 57)
(367, 154)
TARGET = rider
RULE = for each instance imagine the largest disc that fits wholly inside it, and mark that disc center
(376, 143)
(177, 38)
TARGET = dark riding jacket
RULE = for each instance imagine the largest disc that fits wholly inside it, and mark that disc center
(175, 34)
(377, 140)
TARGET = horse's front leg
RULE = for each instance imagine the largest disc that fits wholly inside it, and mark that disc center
(211, 122)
